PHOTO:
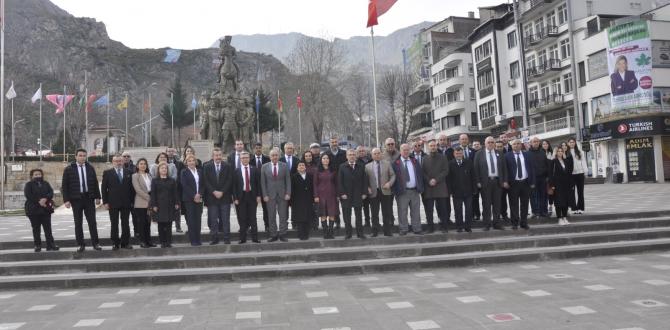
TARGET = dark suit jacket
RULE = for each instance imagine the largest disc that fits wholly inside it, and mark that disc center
(482, 169)
(254, 182)
(231, 159)
(252, 160)
(423, 156)
(337, 159)
(70, 187)
(510, 158)
(223, 183)
(294, 163)
(461, 179)
(400, 180)
(119, 195)
(623, 86)
(353, 183)
(188, 186)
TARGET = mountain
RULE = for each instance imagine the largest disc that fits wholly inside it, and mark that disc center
(388, 48)
(45, 44)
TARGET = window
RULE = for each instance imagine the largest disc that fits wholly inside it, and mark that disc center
(567, 82)
(453, 121)
(516, 102)
(539, 27)
(483, 51)
(532, 93)
(565, 48)
(485, 111)
(492, 107)
(511, 39)
(453, 96)
(514, 70)
(485, 79)
(597, 64)
(551, 19)
(451, 72)
(582, 74)
(527, 32)
(544, 91)
(556, 86)
(471, 69)
(530, 61)
(562, 14)
(542, 57)
(473, 119)
(553, 52)
(473, 96)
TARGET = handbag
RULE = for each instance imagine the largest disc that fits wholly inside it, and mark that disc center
(50, 206)
(550, 189)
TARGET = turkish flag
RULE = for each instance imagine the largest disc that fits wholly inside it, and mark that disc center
(376, 8)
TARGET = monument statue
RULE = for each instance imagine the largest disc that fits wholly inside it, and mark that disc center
(226, 114)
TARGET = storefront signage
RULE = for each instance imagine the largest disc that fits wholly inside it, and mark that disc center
(630, 128)
(640, 159)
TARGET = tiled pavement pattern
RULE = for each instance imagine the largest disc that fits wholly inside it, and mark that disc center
(600, 199)
(562, 294)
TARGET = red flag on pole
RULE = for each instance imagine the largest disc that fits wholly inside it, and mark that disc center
(89, 102)
(280, 104)
(377, 8)
(299, 101)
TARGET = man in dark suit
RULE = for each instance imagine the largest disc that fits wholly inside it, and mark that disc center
(129, 166)
(117, 191)
(491, 177)
(352, 190)
(234, 157)
(462, 187)
(541, 168)
(363, 158)
(289, 159)
(81, 192)
(408, 188)
(444, 147)
(522, 180)
(218, 196)
(247, 196)
(504, 196)
(257, 160)
(435, 195)
(337, 155)
(469, 153)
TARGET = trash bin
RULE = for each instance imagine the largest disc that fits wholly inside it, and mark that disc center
(619, 178)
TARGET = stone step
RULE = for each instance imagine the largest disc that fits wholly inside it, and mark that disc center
(318, 255)
(182, 238)
(27, 254)
(310, 269)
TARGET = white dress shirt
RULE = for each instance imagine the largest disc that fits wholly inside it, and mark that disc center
(411, 184)
(196, 177)
(523, 167)
(493, 167)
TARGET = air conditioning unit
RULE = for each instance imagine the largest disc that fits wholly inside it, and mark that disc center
(511, 83)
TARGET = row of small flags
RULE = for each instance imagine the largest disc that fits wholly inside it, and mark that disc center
(61, 101)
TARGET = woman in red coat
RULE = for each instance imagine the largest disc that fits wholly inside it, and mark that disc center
(325, 194)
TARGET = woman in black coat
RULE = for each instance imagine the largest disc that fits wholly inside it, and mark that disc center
(302, 196)
(38, 207)
(560, 181)
(164, 204)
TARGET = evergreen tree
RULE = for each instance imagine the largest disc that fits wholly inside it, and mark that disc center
(267, 114)
(180, 110)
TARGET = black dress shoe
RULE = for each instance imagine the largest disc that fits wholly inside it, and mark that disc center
(97, 247)
(515, 227)
(498, 227)
(127, 247)
(213, 242)
(226, 241)
(164, 246)
(38, 248)
(273, 239)
(362, 237)
(255, 241)
(420, 233)
(152, 245)
(403, 233)
(114, 248)
(144, 246)
(242, 242)
(468, 230)
(81, 248)
(347, 236)
(283, 239)
(460, 230)
(487, 228)
(525, 226)
(53, 248)
(374, 234)
(168, 245)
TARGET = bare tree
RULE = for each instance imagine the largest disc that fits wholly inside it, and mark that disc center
(406, 83)
(388, 92)
(316, 62)
(357, 92)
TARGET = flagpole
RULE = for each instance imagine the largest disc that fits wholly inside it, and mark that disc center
(194, 135)
(150, 117)
(144, 125)
(108, 137)
(86, 113)
(279, 118)
(258, 115)
(172, 118)
(39, 143)
(374, 85)
(2, 105)
(13, 136)
(127, 135)
(64, 122)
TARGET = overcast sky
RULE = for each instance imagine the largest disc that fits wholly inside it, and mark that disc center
(189, 24)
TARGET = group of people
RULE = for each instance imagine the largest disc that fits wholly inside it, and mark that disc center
(315, 186)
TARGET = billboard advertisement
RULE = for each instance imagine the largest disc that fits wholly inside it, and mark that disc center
(629, 61)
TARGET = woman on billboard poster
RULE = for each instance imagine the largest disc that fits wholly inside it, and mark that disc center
(623, 80)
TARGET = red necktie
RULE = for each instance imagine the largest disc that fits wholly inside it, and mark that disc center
(247, 186)
(274, 171)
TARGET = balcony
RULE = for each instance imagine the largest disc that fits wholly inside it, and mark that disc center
(550, 102)
(488, 122)
(553, 128)
(420, 124)
(540, 38)
(455, 106)
(419, 102)
(533, 5)
(545, 68)
(486, 91)
(422, 84)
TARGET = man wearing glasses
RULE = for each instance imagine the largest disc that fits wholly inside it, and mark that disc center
(391, 153)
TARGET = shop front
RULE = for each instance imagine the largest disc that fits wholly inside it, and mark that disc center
(632, 150)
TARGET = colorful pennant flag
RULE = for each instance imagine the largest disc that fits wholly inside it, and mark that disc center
(37, 96)
(103, 100)
(89, 102)
(194, 103)
(11, 93)
(299, 101)
(123, 105)
(258, 102)
(147, 105)
(60, 101)
(377, 8)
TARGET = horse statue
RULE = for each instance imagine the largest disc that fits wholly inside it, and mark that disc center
(229, 72)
